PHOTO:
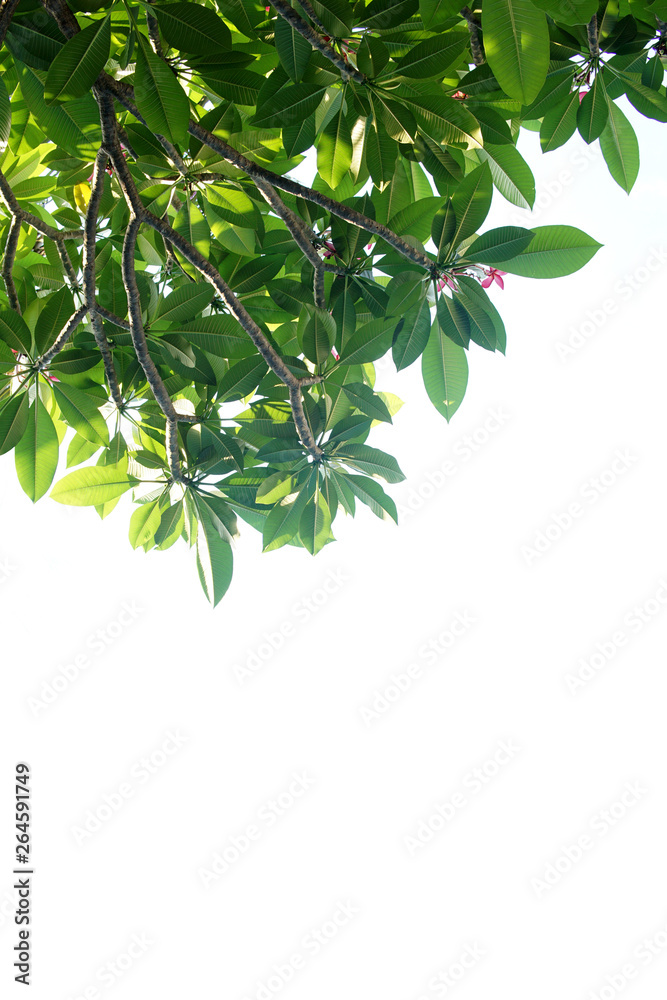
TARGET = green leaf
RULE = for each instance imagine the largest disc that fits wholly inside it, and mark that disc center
(337, 16)
(620, 148)
(511, 174)
(445, 372)
(215, 560)
(397, 119)
(471, 203)
(171, 526)
(499, 244)
(290, 106)
(81, 412)
(5, 117)
(57, 310)
(593, 111)
(79, 63)
(559, 124)
(160, 97)
(381, 153)
(191, 27)
(14, 332)
(74, 125)
(275, 487)
(13, 421)
(411, 335)
(242, 378)
(144, 523)
(282, 522)
(516, 42)
(568, 11)
(454, 320)
(92, 486)
(368, 343)
(334, 150)
(372, 461)
(363, 397)
(315, 524)
(36, 454)
(371, 493)
(293, 50)
(444, 119)
(433, 56)
(372, 56)
(318, 337)
(554, 252)
(184, 303)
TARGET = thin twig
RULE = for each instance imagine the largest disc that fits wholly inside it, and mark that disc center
(62, 338)
(8, 262)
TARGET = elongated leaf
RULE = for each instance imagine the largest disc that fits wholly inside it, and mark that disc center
(13, 421)
(36, 454)
(283, 520)
(289, 106)
(215, 560)
(411, 335)
(471, 203)
(516, 41)
(144, 523)
(445, 372)
(593, 111)
(81, 412)
(319, 336)
(433, 56)
(242, 378)
(160, 97)
(334, 150)
(15, 332)
(554, 252)
(368, 343)
(92, 486)
(79, 63)
(192, 27)
(372, 461)
(293, 50)
(371, 493)
(5, 117)
(499, 244)
(559, 124)
(511, 174)
(620, 148)
(363, 397)
(185, 303)
(315, 524)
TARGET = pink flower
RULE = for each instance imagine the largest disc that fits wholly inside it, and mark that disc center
(335, 353)
(492, 275)
(330, 249)
(459, 96)
(582, 94)
(446, 281)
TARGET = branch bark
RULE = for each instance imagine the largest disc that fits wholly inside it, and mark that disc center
(476, 46)
(318, 42)
(592, 32)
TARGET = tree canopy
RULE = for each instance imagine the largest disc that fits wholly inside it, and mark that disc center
(196, 327)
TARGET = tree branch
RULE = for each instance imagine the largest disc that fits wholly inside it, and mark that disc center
(476, 46)
(318, 42)
(89, 237)
(6, 14)
(8, 262)
(592, 31)
(62, 338)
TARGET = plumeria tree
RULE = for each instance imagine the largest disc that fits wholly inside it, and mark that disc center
(193, 326)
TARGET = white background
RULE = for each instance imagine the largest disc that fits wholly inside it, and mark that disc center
(125, 909)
